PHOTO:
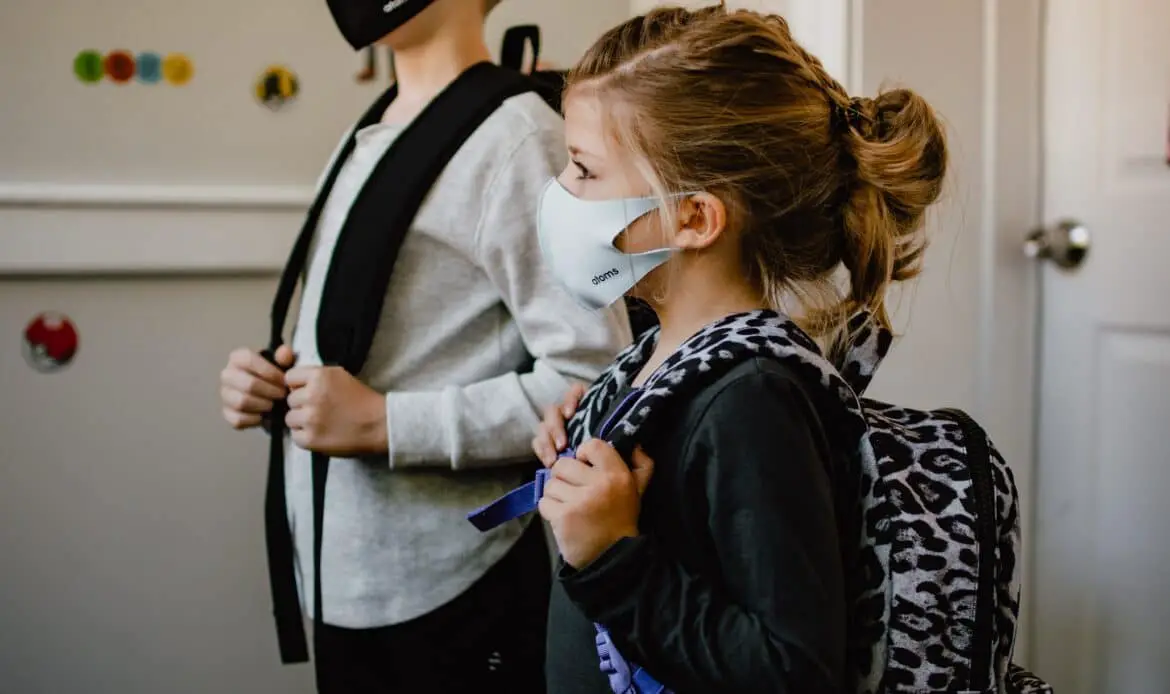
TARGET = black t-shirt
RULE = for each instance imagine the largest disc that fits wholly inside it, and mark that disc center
(735, 584)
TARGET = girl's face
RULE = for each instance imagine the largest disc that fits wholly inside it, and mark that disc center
(599, 169)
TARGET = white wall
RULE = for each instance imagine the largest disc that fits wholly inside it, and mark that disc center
(130, 524)
(197, 178)
(131, 529)
(820, 24)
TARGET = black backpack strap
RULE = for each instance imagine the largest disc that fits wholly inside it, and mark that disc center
(549, 84)
(381, 215)
(981, 467)
(295, 266)
(512, 50)
(355, 289)
(290, 629)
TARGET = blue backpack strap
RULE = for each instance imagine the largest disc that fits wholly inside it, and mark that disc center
(645, 684)
(519, 502)
(525, 498)
(624, 677)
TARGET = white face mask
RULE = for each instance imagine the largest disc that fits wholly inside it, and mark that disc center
(577, 242)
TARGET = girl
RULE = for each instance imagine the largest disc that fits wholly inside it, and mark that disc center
(719, 174)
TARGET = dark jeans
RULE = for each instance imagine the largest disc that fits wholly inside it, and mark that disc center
(492, 637)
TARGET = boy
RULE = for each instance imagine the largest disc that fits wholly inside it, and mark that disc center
(474, 340)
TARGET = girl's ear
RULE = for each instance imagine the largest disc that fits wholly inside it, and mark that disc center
(702, 219)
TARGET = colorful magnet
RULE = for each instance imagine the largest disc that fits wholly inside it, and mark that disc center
(120, 66)
(88, 67)
(149, 67)
(50, 342)
(276, 87)
(177, 69)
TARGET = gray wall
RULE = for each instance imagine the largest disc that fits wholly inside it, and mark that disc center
(131, 534)
(131, 544)
(969, 322)
(131, 529)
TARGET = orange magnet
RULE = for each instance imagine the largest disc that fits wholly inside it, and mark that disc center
(120, 66)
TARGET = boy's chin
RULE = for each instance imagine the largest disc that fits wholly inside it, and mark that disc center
(420, 28)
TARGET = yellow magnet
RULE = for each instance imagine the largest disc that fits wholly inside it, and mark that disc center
(277, 86)
(177, 69)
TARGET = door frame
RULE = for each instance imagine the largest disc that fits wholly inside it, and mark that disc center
(1009, 205)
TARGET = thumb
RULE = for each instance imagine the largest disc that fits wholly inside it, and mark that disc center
(643, 469)
(284, 357)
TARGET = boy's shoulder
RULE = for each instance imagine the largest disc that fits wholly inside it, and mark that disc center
(522, 118)
(529, 111)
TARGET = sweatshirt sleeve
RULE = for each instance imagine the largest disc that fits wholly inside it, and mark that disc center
(492, 422)
(770, 617)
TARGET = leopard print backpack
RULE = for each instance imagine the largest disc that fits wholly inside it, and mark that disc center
(927, 502)
(941, 545)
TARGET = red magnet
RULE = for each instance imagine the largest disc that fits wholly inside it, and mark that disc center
(120, 66)
(50, 342)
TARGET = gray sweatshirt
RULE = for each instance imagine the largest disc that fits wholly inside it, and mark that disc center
(469, 300)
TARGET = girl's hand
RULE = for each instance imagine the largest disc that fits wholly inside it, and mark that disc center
(550, 435)
(593, 500)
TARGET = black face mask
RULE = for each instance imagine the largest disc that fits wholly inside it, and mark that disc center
(362, 22)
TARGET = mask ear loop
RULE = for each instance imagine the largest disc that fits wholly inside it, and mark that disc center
(664, 221)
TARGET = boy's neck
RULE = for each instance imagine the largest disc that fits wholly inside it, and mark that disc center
(424, 69)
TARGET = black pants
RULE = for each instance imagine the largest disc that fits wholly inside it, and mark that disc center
(492, 637)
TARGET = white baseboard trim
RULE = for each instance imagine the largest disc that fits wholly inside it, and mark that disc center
(148, 195)
(65, 229)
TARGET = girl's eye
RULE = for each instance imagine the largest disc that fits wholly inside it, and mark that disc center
(584, 172)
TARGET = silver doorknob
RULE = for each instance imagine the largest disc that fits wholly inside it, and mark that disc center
(1066, 244)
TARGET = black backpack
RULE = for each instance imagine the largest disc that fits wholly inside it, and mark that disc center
(352, 298)
(357, 282)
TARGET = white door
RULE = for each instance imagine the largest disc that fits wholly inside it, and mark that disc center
(1102, 581)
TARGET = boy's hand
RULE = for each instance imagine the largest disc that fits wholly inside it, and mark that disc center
(331, 412)
(550, 435)
(250, 384)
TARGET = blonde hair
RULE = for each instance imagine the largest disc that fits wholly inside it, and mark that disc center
(729, 103)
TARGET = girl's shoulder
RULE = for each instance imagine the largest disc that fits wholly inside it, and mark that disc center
(746, 411)
(759, 382)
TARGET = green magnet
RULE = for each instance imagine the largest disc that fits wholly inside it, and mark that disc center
(89, 67)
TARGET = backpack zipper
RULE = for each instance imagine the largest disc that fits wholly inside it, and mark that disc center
(983, 491)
